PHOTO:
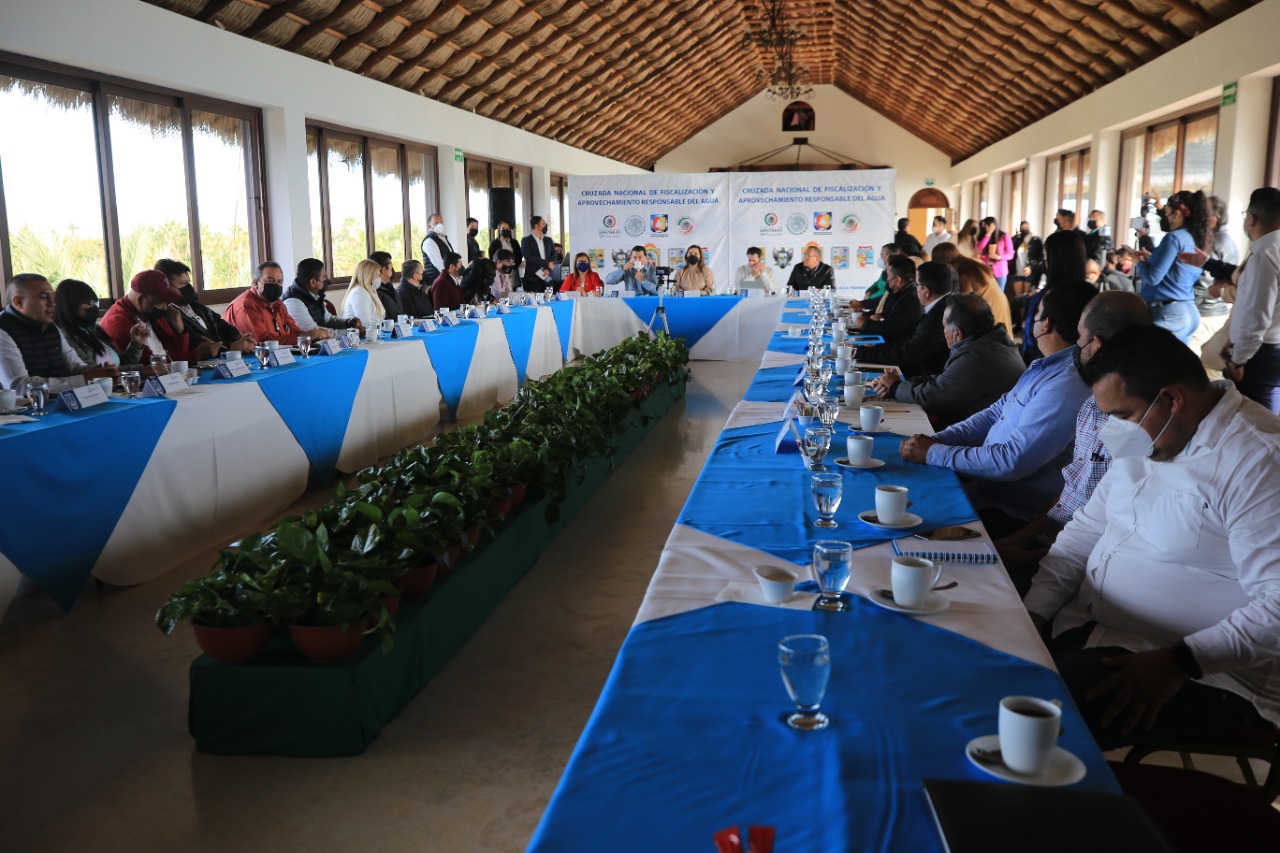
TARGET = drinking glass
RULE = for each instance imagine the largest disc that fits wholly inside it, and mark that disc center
(304, 346)
(825, 371)
(817, 441)
(827, 487)
(387, 326)
(132, 382)
(38, 393)
(160, 364)
(805, 662)
(262, 352)
(828, 409)
(832, 562)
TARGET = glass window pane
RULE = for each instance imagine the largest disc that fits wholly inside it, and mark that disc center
(524, 202)
(150, 181)
(51, 187)
(553, 213)
(1052, 189)
(1015, 199)
(501, 177)
(1070, 185)
(388, 201)
(478, 199)
(1132, 155)
(222, 198)
(345, 162)
(313, 192)
(1164, 154)
(1197, 159)
(1085, 166)
(419, 200)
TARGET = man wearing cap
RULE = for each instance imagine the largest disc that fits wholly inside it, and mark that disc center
(260, 313)
(31, 345)
(154, 302)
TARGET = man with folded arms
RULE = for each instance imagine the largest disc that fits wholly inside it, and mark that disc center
(304, 300)
(982, 365)
(31, 345)
(202, 322)
(413, 297)
(154, 302)
(1013, 451)
(1163, 592)
(446, 290)
(259, 313)
(924, 350)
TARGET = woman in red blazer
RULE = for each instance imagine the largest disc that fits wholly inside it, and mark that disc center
(582, 278)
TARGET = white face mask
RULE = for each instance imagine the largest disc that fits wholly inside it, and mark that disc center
(438, 228)
(1127, 440)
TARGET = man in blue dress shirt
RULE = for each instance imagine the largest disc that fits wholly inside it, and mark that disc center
(1012, 453)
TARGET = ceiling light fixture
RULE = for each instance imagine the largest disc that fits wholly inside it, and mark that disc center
(785, 81)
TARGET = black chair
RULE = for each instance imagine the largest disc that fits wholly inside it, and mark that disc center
(1262, 742)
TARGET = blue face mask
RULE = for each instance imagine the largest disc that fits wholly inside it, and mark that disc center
(583, 266)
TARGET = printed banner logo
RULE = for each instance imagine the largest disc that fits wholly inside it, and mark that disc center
(797, 223)
(822, 221)
(619, 257)
(610, 222)
(658, 223)
(634, 226)
(782, 257)
(685, 224)
(850, 223)
(771, 220)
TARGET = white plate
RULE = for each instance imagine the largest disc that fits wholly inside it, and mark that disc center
(935, 602)
(1064, 767)
(910, 519)
(844, 462)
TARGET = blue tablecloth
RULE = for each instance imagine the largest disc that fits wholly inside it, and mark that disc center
(689, 734)
(563, 313)
(69, 478)
(774, 385)
(519, 326)
(793, 317)
(751, 495)
(688, 318)
(451, 350)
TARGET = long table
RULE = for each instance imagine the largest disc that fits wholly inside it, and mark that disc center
(688, 736)
(127, 490)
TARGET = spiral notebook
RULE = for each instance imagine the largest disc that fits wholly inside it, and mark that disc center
(971, 551)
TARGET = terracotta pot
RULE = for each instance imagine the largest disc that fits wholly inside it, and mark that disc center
(473, 536)
(454, 554)
(518, 493)
(327, 643)
(416, 582)
(392, 603)
(499, 508)
(232, 645)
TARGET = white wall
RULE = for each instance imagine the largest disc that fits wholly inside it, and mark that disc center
(144, 43)
(844, 126)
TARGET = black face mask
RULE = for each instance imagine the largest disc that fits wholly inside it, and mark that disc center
(156, 314)
(505, 270)
(506, 233)
(1075, 359)
(272, 292)
(691, 259)
(471, 232)
(189, 294)
(1164, 223)
(91, 315)
(1093, 224)
(1025, 231)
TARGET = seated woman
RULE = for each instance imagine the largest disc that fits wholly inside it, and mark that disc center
(76, 314)
(362, 300)
(479, 282)
(583, 278)
(695, 275)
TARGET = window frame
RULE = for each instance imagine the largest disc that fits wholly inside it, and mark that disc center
(519, 227)
(560, 184)
(1075, 157)
(100, 88)
(1147, 130)
(1018, 176)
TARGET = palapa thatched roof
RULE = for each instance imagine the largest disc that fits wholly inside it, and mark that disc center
(633, 79)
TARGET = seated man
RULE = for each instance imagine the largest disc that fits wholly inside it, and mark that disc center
(901, 309)
(506, 279)
(386, 290)
(638, 273)
(1013, 451)
(259, 313)
(812, 272)
(152, 301)
(879, 290)
(305, 302)
(1163, 592)
(924, 350)
(31, 345)
(755, 274)
(446, 290)
(202, 323)
(1104, 317)
(413, 296)
(983, 364)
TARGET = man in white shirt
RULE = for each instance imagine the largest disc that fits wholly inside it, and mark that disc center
(31, 345)
(939, 235)
(1164, 590)
(1253, 358)
(755, 273)
(434, 247)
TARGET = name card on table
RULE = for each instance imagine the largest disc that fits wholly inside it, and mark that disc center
(402, 330)
(427, 325)
(504, 309)
(83, 397)
(614, 289)
(447, 319)
(689, 294)
(800, 377)
(280, 357)
(473, 314)
(788, 440)
(232, 369)
(171, 383)
(752, 292)
(332, 346)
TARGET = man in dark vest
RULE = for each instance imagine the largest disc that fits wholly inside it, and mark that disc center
(304, 300)
(473, 245)
(539, 257)
(31, 345)
(434, 247)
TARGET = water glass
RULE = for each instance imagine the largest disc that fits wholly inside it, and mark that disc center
(38, 392)
(387, 326)
(827, 487)
(817, 441)
(832, 563)
(262, 352)
(828, 409)
(132, 382)
(160, 364)
(304, 346)
(805, 662)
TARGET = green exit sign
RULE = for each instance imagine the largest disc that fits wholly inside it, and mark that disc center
(457, 155)
(1229, 94)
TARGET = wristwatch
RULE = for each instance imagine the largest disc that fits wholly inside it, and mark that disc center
(1185, 660)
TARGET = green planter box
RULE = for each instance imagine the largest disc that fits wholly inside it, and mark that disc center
(281, 704)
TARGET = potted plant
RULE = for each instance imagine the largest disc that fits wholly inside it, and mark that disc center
(226, 613)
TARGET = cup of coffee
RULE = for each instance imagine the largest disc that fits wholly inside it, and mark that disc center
(860, 448)
(1028, 732)
(777, 584)
(853, 395)
(853, 377)
(8, 400)
(837, 334)
(104, 382)
(912, 578)
(234, 355)
(844, 351)
(869, 417)
(842, 365)
(795, 331)
(371, 334)
(891, 504)
(180, 368)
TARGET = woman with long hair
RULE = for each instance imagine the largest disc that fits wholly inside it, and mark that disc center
(967, 238)
(995, 247)
(695, 275)
(583, 278)
(1064, 260)
(1168, 285)
(362, 295)
(504, 238)
(76, 314)
(976, 278)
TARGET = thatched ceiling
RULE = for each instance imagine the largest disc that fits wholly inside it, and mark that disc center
(633, 79)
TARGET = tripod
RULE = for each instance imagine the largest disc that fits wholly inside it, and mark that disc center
(660, 311)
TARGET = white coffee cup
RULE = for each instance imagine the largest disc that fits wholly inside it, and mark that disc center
(912, 578)
(842, 365)
(777, 584)
(891, 504)
(860, 448)
(104, 382)
(853, 395)
(8, 400)
(853, 377)
(837, 334)
(180, 368)
(1028, 732)
(869, 417)
(795, 332)
(273, 345)
(234, 355)
(844, 351)
(371, 333)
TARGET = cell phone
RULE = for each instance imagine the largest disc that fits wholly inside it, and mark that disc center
(1138, 223)
(949, 534)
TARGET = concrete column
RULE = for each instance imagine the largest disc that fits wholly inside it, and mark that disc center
(540, 197)
(1239, 163)
(284, 131)
(995, 198)
(1104, 179)
(1035, 212)
(453, 199)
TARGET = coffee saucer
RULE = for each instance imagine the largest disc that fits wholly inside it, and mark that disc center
(910, 519)
(1064, 767)
(844, 462)
(18, 411)
(934, 602)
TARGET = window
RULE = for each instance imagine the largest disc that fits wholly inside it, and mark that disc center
(368, 194)
(118, 177)
(1160, 159)
(980, 199)
(483, 177)
(1067, 182)
(1014, 195)
(557, 224)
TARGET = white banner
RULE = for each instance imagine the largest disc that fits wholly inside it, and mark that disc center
(848, 215)
(610, 214)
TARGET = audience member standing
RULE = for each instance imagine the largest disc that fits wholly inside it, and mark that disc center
(539, 254)
(938, 235)
(1167, 283)
(1254, 353)
(908, 243)
(1098, 241)
(996, 250)
(473, 245)
(504, 238)
(434, 246)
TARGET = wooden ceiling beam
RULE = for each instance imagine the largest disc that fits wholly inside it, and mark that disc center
(425, 27)
(1120, 32)
(1049, 13)
(1155, 23)
(212, 9)
(276, 13)
(1191, 10)
(1058, 55)
(488, 60)
(318, 26)
(389, 15)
